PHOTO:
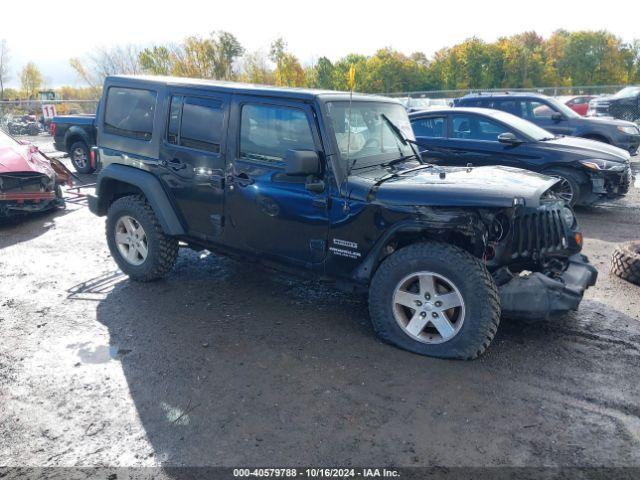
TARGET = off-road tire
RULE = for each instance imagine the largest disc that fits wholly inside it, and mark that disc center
(480, 294)
(86, 168)
(572, 177)
(162, 249)
(625, 262)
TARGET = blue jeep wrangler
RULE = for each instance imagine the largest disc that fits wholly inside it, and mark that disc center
(329, 185)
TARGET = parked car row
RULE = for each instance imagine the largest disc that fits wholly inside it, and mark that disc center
(557, 118)
(588, 170)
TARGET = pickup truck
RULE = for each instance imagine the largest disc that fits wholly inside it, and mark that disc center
(75, 134)
(328, 185)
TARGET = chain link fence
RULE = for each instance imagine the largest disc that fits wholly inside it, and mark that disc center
(32, 117)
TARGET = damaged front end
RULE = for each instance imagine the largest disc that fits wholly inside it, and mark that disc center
(533, 254)
(29, 181)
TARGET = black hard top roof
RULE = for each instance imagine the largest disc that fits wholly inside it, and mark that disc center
(245, 88)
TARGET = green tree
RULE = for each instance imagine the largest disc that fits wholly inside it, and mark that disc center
(157, 60)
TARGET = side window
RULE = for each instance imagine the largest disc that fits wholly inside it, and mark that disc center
(537, 110)
(510, 106)
(129, 112)
(195, 123)
(470, 127)
(267, 132)
(429, 127)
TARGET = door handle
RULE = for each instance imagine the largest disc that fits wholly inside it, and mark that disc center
(243, 180)
(177, 164)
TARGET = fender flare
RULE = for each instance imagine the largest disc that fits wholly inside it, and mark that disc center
(115, 174)
(76, 131)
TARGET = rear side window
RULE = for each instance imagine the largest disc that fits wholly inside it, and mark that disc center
(429, 127)
(267, 132)
(195, 123)
(510, 106)
(129, 112)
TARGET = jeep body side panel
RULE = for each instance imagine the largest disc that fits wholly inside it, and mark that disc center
(114, 177)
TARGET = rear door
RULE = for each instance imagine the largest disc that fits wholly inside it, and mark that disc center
(192, 158)
(267, 211)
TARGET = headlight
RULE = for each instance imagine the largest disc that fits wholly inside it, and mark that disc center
(629, 130)
(568, 217)
(599, 164)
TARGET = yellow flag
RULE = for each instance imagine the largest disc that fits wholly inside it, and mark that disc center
(352, 77)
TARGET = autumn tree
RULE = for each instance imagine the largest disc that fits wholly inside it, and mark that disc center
(256, 69)
(289, 72)
(30, 80)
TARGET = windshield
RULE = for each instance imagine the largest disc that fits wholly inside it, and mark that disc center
(628, 92)
(561, 107)
(529, 129)
(363, 137)
(6, 140)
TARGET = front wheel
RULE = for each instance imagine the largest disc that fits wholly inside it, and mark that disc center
(137, 242)
(568, 188)
(436, 300)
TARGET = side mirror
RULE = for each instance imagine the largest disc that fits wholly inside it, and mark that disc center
(301, 163)
(557, 117)
(509, 139)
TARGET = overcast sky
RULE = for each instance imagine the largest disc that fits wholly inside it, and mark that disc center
(49, 33)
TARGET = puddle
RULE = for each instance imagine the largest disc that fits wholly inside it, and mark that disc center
(101, 353)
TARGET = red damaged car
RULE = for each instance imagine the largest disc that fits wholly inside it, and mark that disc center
(29, 181)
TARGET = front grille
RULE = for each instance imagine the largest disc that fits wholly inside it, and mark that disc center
(537, 234)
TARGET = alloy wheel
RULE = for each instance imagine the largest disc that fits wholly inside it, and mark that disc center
(428, 307)
(564, 190)
(131, 240)
(79, 157)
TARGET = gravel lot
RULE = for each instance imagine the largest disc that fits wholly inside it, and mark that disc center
(226, 364)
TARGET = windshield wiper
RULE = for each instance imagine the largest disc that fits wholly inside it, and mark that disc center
(405, 141)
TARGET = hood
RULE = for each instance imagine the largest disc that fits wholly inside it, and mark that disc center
(456, 186)
(20, 159)
(602, 121)
(584, 149)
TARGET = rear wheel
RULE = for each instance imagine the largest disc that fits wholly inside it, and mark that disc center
(436, 300)
(137, 242)
(79, 154)
(568, 188)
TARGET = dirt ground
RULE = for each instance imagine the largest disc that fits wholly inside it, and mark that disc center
(226, 364)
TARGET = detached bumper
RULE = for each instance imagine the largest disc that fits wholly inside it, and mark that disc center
(538, 296)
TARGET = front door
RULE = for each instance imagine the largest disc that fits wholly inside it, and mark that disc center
(546, 116)
(474, 140)
(192, 159)
(267, 211)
